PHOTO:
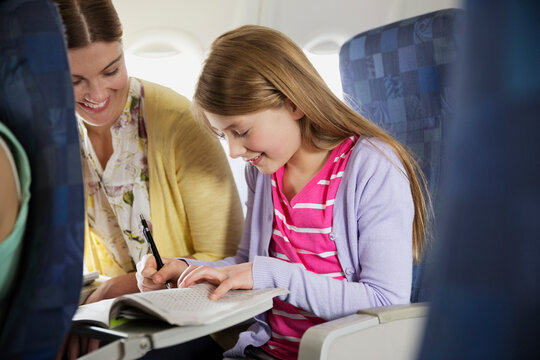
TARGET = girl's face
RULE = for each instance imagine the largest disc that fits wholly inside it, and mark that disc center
(267, 139)
(100, 82)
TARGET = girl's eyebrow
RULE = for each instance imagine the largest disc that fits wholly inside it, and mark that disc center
(233, 125)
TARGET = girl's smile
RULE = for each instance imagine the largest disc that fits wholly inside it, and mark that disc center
(255, 160)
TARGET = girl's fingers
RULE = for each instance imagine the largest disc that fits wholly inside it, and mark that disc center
(146, 267)
(170, 271)
(201, 273)
(149, 285)
(184, 279)
(149, 278)
(226, 278)
(186, 272)
(222, 289)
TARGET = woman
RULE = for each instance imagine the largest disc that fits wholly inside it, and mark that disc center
(143, 154)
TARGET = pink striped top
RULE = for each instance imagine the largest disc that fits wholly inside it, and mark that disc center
(301, 234)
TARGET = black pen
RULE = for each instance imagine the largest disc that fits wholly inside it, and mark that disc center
(153, 247)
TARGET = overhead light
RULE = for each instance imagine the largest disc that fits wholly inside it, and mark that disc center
(164, 42)
(325, 48)
(156, 50)
(326, 44)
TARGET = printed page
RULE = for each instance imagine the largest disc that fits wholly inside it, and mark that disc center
(191, 306)
(95, 313)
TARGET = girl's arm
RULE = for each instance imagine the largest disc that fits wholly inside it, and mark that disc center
(382, 230)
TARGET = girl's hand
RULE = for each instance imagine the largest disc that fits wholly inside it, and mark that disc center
(149, 278)
(226, 277)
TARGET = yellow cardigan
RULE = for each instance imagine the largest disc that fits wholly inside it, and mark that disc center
(194, 205)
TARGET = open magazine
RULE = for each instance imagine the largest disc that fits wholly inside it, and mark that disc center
(187, 306)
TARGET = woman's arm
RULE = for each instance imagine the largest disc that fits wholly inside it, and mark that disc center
(209, 196)
(195, 208)
(116, 286)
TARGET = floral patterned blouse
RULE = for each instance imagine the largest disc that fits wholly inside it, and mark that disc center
(118, 194)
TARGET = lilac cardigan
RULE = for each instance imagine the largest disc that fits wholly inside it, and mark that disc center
(372, 228)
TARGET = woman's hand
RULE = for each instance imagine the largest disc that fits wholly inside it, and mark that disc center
(75, 346)
(149, 278)
(226, 277)
(116, 286)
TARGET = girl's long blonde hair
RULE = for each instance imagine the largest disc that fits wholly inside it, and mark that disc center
(253, 68)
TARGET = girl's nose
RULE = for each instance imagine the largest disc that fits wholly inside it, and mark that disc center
(236, 149)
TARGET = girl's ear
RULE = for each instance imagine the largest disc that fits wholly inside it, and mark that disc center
(295, 111)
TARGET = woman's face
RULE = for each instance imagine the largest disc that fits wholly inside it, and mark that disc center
(100, 82)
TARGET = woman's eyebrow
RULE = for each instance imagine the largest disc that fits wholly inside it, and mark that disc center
(105, 68)
(113, 62)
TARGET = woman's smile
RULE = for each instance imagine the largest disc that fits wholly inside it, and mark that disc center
(94, 107)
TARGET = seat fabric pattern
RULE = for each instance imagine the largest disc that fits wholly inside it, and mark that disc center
(38, 107)
(402, 77)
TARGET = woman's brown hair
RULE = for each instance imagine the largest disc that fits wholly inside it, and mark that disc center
(253, 68)
(88, 21)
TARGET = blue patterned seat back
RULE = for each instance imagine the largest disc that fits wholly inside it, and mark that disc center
(401, 76)
(38, 106)
(486, 297)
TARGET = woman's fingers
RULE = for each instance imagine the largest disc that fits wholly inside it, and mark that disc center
(76, 345)
(61, 351)
(93, 344)
(83, 344)
(73, 347)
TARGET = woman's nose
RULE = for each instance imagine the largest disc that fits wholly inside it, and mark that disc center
(96, 92)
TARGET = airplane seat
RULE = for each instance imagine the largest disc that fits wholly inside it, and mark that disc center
(402, 77)
(38, 108)
(486, 297)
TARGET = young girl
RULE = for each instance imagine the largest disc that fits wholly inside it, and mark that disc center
(336, 211)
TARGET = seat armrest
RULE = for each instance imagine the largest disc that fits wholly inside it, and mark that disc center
(387, 332)
(397, 312)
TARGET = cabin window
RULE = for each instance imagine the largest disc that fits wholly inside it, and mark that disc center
(323, 52)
